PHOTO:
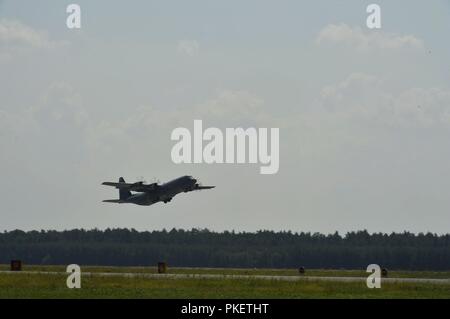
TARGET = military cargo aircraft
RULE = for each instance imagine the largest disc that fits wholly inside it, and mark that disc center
(149, 194)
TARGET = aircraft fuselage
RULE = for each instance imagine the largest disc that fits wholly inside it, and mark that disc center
(163, 193)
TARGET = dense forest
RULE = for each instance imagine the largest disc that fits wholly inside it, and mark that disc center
(204, 248)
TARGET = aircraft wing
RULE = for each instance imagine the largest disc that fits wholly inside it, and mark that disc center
(135, 187)
(199, 187)
(118, 201)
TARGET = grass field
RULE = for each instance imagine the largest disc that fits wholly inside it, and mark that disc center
(25, 285)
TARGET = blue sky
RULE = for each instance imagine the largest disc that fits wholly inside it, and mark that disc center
(364, 115)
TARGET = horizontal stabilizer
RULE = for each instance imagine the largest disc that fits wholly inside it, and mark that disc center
(118, 201)
(117, 185)
(135, 187)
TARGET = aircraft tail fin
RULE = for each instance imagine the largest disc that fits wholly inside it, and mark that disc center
(123, 193)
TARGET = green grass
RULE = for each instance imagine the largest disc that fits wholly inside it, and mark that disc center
(54, 286)
(23, 285)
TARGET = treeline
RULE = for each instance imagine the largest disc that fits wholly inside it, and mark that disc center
(204, 248)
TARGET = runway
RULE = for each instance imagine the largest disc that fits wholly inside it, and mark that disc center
(237, 277)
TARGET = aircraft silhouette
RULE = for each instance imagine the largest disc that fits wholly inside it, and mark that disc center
(149, 194)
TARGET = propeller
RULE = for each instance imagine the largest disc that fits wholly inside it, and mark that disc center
(155, 180)
(199, 184)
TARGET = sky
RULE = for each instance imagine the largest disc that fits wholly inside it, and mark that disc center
(363, 114)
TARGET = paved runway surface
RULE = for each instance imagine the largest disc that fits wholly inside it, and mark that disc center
(245, 277)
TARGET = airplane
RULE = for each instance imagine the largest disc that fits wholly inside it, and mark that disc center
(149, 194)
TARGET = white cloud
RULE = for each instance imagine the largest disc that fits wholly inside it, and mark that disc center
(16, 37)
(364, 40)
(60, 104)
(188, 47)
(232, 106)
(52, 130)
(145, 124)
(421, 106)
(369, 98)
(15, 33)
